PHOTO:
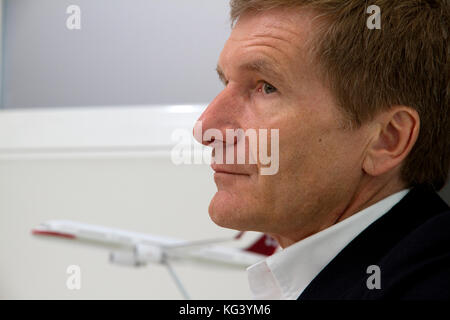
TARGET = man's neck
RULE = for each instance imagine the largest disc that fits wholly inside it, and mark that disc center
(367, 194)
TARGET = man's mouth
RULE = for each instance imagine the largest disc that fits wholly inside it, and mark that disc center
(226, 169)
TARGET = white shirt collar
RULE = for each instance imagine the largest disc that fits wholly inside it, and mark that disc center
(287, 273)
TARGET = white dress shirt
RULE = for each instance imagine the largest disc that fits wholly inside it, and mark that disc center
(285, 274)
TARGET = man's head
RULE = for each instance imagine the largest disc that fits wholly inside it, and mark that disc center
(348, 102)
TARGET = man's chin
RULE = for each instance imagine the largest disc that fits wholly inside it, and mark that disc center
(227, 211)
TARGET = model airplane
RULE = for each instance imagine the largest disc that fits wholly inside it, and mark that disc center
(138, 249)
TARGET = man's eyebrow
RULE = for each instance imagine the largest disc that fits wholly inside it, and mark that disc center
(264, 68)
(260, 66)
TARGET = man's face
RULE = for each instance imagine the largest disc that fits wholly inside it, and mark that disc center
(271, 82)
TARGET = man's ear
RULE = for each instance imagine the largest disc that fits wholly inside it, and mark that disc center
(395, 133)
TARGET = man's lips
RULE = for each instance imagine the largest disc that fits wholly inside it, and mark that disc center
(226, 169)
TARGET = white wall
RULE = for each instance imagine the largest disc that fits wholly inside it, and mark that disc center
(126, 53)
(107, 165)
(108, 180)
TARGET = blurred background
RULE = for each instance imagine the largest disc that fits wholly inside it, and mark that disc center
(86, 118)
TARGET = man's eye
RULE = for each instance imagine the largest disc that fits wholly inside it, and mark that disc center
(268, 88)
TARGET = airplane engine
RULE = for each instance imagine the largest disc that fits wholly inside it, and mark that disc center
(125, 258)
(149, 253)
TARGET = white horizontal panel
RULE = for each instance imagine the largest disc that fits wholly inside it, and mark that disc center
(96, 129)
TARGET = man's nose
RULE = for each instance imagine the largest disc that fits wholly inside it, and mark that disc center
(218, 116)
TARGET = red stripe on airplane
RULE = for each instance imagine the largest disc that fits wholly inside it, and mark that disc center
(53, 234)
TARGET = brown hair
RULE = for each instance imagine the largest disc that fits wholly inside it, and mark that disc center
(369, 70)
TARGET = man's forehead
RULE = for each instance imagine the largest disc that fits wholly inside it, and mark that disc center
(285, 33)
(272, 43)
(293, 24)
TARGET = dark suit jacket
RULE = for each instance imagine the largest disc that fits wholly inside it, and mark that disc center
(410, 244)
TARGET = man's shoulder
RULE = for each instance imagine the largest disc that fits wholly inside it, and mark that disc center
(409, 246)
(418, 266)
(430, 237)
(416, 263)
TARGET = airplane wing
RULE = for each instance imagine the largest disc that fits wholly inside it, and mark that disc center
(99, 235)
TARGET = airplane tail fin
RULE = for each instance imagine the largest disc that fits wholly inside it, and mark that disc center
(264, 245)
